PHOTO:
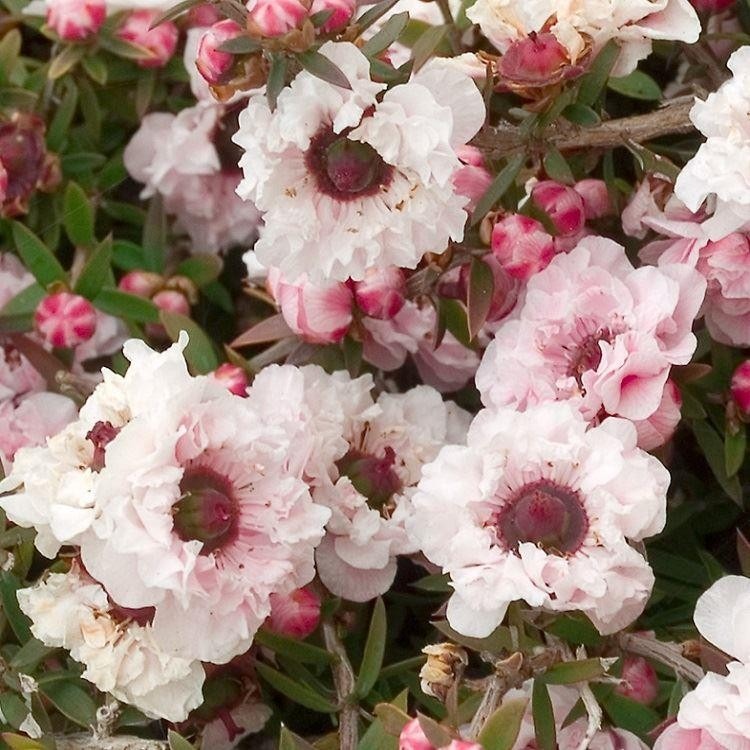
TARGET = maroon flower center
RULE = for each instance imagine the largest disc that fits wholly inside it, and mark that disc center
(101, 435)
(371, 476)
(207, 510)
(588, 354)
(546, 514)
(346, 169)
(142, 616)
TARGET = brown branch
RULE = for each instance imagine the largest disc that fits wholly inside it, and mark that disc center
(343, 678)
(89, 742)
(672, 118)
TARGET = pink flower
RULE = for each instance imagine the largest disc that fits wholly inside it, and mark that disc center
(319, 313)
(232, 377)
(382, 292)
(674, 737)
(473, 179)
(595, 330)
(276, 17)
(522, 245)
(660, 426)
(596, 202)
(342, 12)
(213, 64)
(76, 20)
(160, 42)
(741, 386)
(295, 615)
(65, 320)
(563, 205)
(413, 738)
(640, 681)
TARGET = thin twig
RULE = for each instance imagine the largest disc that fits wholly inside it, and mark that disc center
(344, 680)
(672, 118)
(492, 698)
(669, 654)
(89, 742)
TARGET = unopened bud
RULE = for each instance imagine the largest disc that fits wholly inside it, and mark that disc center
(65, 320)
(294, 615)
(160, 41)
(232, 377)
(76, 20)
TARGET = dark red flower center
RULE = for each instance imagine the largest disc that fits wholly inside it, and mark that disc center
(207, 510)
(142, 616)
(101, 435)
(546, 514)
(346, 169)
(371, 476)
(588, 354)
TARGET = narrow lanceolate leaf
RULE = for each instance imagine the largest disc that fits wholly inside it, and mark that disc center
(557, 167)
(569, 672)
(321, 67)
(713, 449)
(37, 257)
(290, 741)
(392, 717)
(375, 13)
(390, 32)
(276, 78)
(498, 188)
(502, 728)
(199, 353)
(479, 299)
(72, 701)
(372, 659)
(426, 45)
(637, 85)
(178, 742)
(78, 216)
(294, 649)
(592, 84)
(96, 271)
(240, 45)
(544, 718)
(296, 691)
(24, 303)
(174, 11)
(270, 329)
(735, 446)
(65, 61)
(124, 305)
(18, 621)
(201, 269)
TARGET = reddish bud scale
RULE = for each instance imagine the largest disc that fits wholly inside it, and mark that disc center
(65, 320)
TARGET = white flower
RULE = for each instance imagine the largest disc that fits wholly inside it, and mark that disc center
(633, 23)
(347, 180)
(721, 166)
(537, 507)
(120, 655)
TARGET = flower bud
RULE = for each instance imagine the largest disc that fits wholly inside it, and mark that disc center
(161, 41)
(76, 20)
(562, 204)
(740, 387)
(443, 669)
(372, 476)
(522, 246)
(203, 15)
(413, 738)
(341, 13)
(141, 283)
(172, 301)
(640, 681)
(213, 64)
(596, 202)
(65, 320)
(473, 179)
(381, 294)
(276, 17)
(294, 615)
(232, 377)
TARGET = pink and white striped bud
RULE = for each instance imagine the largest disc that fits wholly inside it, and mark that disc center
(660, 426)
(294, 615)
(381, 293)
(213, 64)
(172, 301)
(75, 20)
(596, 202)
(276, 17)
(740, 387)
(341, 13)
(473, 179)
(319, 313)
(161, 41)
(65, 320)
(522, 246)
(640, 681)
(232, 377)
(562, 204)
(141, 283)
(203, 15)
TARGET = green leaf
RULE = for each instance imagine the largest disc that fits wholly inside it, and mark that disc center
(124, 305)
(576, 629)
(454, 317)
(127, 255)
(743, 552)
(276, 79)
(72, 701)
(175, 11)
(321, 67)
(240, 45)
(40, 261)
(391, 31)
(436, 734)
(124, 49)
(25, 302)
(498, 188)
(29, 655)
(201, 269)
(425, 46)
(10, 49)
(735, 446)
(374, 14)
(479, 297)
(651, 162)
(78, 216)
(19, 623)
(580, 114)
(496, 642)
(13, 709)
(636, 85)
(199, 353)
(568, 672)
(713, 449)
(178, 742)
(502, 728)
(545, 730)
(155, 235)
(297, 692)
(144, 91)
(438, 582)
(557, 167)
(372, 658)
(97, 270)
(66, 61)
(393, 718)
(290, 741)
(95, 68)
(593, 82)
(81, 163)
(630, 715)
(294, 649)
(21, 742)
